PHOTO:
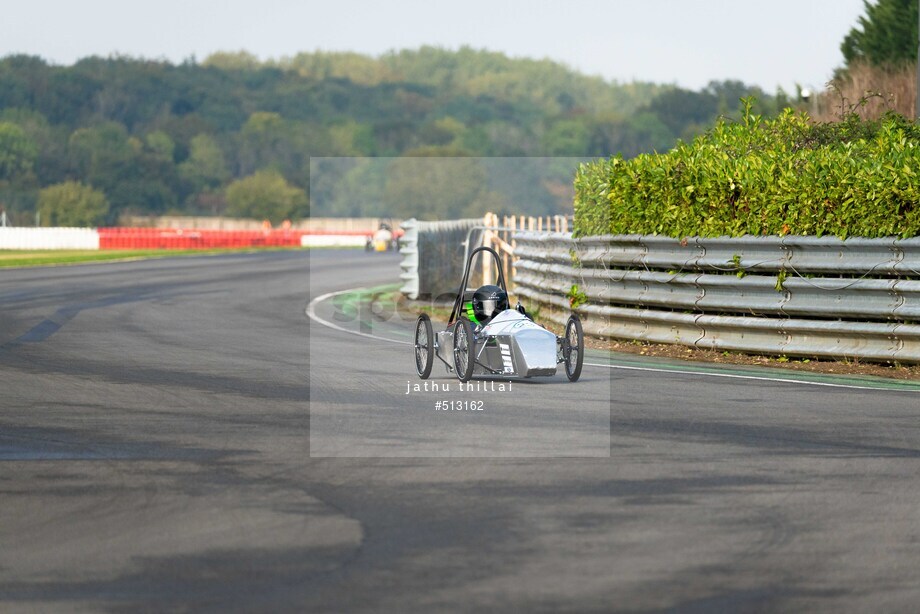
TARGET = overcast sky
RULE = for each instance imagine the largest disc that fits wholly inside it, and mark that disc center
(687, 42)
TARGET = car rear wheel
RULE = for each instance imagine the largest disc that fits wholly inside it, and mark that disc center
(464, 346)
(574, 348)
(424, 346)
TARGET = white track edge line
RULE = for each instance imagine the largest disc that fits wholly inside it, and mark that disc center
(311, 313)
(755, 378)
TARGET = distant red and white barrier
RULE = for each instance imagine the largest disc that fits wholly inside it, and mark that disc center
(170, 238)
(175, 238)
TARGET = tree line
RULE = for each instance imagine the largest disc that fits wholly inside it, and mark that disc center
(879, 74)
(231, 135)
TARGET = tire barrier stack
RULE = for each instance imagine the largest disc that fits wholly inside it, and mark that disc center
(438, 247)
(801, 296)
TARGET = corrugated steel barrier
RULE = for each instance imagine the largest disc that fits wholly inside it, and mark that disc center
(439, 246)
(804, 296)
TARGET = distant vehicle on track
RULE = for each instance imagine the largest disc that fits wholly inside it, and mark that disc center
(383, 239)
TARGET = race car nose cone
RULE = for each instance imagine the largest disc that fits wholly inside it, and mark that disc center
(536, 349)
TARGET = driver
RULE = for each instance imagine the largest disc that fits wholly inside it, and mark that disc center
(384, 233)
(488, 302)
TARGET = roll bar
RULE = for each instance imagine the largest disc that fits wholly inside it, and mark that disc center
(458, 302)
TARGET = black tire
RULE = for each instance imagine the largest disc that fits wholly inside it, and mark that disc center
(574, 351)
(424, 346)
(464, 350)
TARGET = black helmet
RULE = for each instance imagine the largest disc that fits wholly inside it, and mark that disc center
(489, 301)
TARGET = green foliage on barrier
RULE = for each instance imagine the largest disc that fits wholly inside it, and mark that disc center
(763, 177)
(577, 297)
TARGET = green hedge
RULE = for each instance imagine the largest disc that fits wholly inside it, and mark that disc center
(763, 177)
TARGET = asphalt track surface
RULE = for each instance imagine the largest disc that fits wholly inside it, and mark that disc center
(155, 454)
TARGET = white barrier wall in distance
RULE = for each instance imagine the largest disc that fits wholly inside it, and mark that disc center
(48, 238)
(333, 240)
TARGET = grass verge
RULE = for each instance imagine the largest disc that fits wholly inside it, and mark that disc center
(42, 257)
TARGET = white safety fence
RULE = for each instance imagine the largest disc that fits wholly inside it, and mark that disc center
(333, 240)
(48, 238)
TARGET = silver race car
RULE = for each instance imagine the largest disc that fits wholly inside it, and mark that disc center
(487, 338)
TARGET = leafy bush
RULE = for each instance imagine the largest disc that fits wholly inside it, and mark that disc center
(763, 177)
(72, 204)
(265, 195)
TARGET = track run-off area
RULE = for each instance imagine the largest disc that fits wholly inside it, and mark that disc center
(226, 433)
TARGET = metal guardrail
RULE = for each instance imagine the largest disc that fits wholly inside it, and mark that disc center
(719, 294)
(439, 246)
(434, 253)
(872, 299)
(754, 254)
